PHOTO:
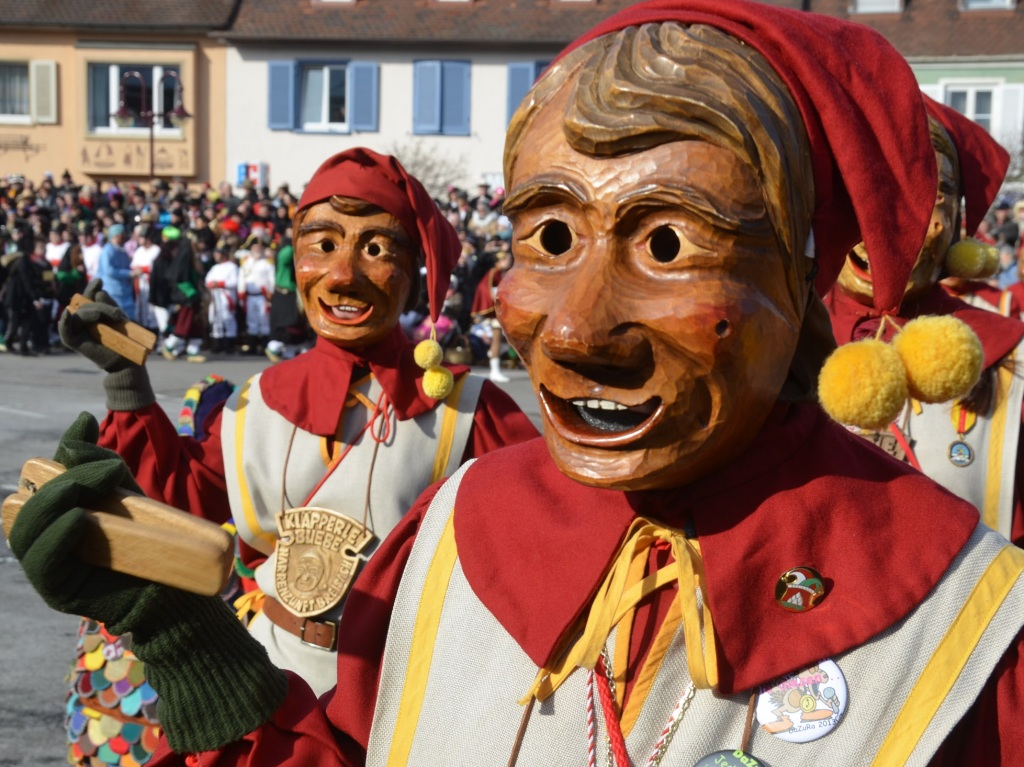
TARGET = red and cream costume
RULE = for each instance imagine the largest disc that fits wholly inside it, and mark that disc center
(350, 432)
(927, 431)
(992, 481)
(479, 576)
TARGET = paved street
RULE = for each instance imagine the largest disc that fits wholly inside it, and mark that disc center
(39, 397)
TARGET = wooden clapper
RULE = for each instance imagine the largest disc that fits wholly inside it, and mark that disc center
(128, 532)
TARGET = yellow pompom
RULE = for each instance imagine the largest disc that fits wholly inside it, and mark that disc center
(863, 384)
(438, 382)
(942, 357)
(968, 259)
(428, 354)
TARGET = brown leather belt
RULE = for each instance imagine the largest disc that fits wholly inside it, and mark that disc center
(321, 634)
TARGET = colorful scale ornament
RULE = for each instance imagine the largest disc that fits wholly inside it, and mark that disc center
(111, 708)
(190, 404)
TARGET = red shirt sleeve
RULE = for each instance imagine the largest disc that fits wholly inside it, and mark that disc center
(991, 732)
(497, 422)
(336, 729)
(180, 471)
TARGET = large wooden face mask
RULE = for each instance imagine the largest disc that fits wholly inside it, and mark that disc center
(649, 302)
(855, 278)
(354, 273)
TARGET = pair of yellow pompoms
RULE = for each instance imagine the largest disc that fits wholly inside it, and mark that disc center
(438, 381)
(932, 359)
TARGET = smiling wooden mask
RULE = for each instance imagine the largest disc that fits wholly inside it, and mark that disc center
(661, 198)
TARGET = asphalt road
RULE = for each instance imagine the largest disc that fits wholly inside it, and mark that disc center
(39, 398)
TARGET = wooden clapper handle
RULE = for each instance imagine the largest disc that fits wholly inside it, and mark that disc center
(130, 340)
(138, 536)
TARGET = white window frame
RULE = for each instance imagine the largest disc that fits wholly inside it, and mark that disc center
(16, 119)
(987, 5)
(875, 6)
(324, 126)
(971, 87)
(157, 107)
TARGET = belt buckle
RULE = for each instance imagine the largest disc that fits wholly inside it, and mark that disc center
(334, 635)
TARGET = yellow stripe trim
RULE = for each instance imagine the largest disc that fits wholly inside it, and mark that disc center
(994, 456)
(248, 512)
(1004, 303)
(950, 657)
(652, 666)
(421, 650)
(447, 436)
(624, 632)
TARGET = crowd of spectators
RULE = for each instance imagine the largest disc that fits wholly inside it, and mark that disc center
(210, 269)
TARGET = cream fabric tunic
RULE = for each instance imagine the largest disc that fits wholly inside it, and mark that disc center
(271, 465)
(988, 482)
(452, 676)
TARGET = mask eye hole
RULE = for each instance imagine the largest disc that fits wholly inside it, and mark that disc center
(373, 249)
(664, 244)
(326, 246)
(556, 238)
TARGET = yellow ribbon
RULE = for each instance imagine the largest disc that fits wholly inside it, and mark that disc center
(249, 602)
(619, 594)
(958, 411)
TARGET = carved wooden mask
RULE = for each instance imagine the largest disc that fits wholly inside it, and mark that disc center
(355, 270)
(943, 231)
(656, 297)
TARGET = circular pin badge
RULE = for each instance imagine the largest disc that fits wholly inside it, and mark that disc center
(735, 758)
(799, 589)
(961, 454)
(805, 706)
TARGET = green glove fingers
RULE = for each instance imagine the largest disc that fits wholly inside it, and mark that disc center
(73, 489)
(48, 530)
(127, 386)
(216, 683)
(78, 446)
(85, 428)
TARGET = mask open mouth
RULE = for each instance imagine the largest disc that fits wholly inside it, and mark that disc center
(859, 266)
(600, 422)
(345, 314)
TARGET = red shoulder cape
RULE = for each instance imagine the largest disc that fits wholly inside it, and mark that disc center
(535, 545)
(310, 390)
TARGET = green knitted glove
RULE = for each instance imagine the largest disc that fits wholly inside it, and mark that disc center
(127, 384)
(215, 681)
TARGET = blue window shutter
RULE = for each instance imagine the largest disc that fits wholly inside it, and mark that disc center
(364, 97)
(426, 97)
(520, 78)
(281, 95)
(99, 96)
(455, 98)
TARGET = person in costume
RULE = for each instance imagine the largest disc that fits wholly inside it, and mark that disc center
(287, 322)
(255, 289)
(181, 275)
(607, 595)
(222, 284)
(972, 445)
(485, 323)
(347, 427)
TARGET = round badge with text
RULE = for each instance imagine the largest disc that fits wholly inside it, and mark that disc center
(805, 706)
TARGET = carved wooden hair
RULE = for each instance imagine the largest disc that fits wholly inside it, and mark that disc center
(943, 144)
(645, 86)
